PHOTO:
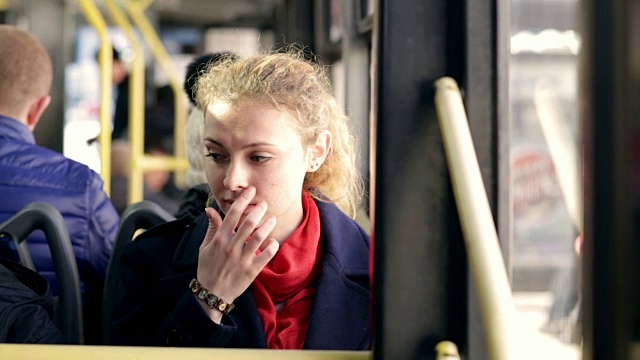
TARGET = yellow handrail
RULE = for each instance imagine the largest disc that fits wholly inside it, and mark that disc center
(481, 239)
(178, 162)
(96, 20)
(68, 352)
(136, 104)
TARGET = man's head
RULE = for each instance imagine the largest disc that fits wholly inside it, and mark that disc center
(199, 66)
(27, 73)
(119, 70)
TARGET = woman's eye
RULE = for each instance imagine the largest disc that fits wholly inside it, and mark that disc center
(216, 157)
(260, 159)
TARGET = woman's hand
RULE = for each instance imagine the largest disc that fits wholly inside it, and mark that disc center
(227, 262)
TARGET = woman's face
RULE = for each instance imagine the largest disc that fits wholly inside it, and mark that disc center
(255, 145)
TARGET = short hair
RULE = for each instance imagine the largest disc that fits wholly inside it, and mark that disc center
(288, 82)
(199, 66)
(26, 71)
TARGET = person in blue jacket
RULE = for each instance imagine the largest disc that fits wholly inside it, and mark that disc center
(275, 262)
(30, 173)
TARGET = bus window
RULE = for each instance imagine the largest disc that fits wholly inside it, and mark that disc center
(545, 186)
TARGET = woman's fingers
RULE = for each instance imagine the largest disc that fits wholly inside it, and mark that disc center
(257, 239)
(233, 215)
(269, 251)
(227, 263)
(250, 224)
(214, 224)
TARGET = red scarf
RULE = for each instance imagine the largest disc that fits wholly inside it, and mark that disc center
(288, 279)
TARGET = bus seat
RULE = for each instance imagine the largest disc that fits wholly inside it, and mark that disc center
(141, 215)
(45, 217)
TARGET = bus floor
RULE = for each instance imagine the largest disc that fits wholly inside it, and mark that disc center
(532, 309)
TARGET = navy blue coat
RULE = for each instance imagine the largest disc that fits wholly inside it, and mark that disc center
(155, 306)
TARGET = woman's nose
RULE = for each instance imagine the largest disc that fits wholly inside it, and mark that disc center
(236, 177)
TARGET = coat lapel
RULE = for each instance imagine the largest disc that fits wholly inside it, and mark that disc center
(340, 312)
(249, 333)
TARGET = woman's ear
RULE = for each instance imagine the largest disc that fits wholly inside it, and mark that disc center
(318, 151)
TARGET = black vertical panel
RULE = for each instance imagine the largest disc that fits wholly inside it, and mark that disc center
(420, 271)
(607, 253)
(298, 20)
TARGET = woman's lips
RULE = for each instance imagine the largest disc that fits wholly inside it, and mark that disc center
(246, 210)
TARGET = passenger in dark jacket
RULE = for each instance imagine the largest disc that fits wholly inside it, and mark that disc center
(194, 202)
(26, 307)
(30, 173)
(281, 265)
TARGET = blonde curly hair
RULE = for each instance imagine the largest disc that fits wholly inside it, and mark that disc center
(290, 83)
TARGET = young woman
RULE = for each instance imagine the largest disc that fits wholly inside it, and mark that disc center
(275, 262)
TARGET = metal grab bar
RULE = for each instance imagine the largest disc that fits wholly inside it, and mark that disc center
(139, 162)
(178, 163)
(480, 236)
(105, 56)
(136, 103)
(64, 352)
(142, 215)
(45, 217)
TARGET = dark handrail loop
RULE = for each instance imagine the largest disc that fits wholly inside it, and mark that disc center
(45, 217)
(141, 215)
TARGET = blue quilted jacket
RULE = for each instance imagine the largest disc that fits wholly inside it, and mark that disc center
(31, 173)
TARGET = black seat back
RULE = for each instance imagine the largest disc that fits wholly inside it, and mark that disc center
(141, 215)
(45, 217)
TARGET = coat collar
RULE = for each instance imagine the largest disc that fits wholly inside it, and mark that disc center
(15, 130)
(189, 247)
(342, 294)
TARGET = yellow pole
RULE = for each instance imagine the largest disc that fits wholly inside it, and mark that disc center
(144, 4)
(96, 20)
(136, 104)
(136, 11)
(72, 352)
(480, 237)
